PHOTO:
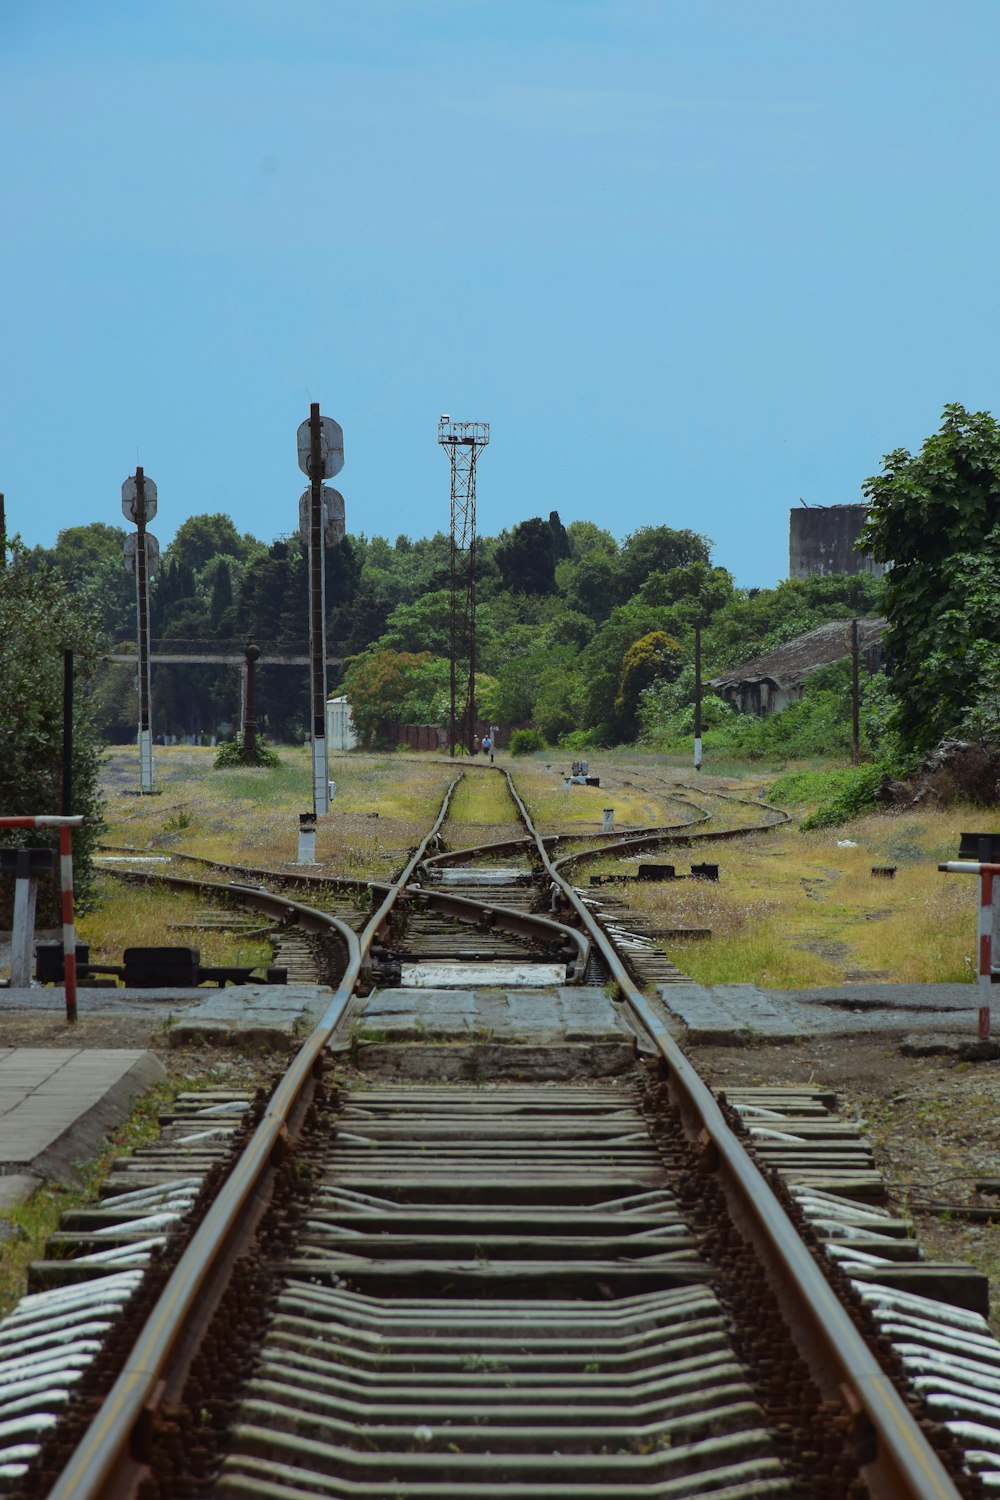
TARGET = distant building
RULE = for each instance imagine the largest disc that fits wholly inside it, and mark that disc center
(821, 540)
(340, 731)
(767, 684)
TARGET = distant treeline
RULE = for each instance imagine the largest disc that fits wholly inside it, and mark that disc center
(579, 634)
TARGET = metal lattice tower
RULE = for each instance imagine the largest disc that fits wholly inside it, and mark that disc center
(463, 442)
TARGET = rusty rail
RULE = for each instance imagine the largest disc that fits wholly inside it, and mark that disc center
(108, 1442)
(904, 1466)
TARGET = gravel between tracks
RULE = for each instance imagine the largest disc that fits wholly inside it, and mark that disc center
(934, 1123)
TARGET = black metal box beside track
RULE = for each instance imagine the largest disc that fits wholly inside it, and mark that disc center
(27, 862)
(982, 847)
(49, 961)
(656, 872)
(162, 968)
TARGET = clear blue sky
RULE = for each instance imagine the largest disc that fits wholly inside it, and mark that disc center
(692, 259)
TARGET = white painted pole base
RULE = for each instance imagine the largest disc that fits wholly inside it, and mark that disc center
(146, 760)
(22, 932)
(321, 776)
(307, 846)
(697, 754)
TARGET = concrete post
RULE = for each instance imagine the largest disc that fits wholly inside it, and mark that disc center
(23, 930)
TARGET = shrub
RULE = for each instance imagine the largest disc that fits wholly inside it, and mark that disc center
(576, 739)
(854, 796)
(526, 741)
(231, 753)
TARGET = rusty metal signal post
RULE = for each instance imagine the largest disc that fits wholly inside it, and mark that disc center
(463, 442)
(142, 554)
(321, 523)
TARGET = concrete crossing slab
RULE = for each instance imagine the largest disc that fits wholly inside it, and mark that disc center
(262, 1014)
(557, 1013)
(733, 1014)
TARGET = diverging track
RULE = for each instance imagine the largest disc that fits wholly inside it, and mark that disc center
(555, 1289)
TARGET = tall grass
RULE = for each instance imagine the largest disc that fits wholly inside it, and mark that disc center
(760, 953)
(813, 895)
(150, 916)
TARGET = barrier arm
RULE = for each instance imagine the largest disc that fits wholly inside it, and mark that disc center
(984, 931)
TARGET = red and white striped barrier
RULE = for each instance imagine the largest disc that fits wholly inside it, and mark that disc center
(984, 931)
(65, 826)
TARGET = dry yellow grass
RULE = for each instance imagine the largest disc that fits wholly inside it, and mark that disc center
(791, 909)
(558, 809)
(380, 809)
(803, 909)
(141, 916)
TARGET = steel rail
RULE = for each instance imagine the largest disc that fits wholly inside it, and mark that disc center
(905, 1466)
(642, 838)
(310, 918)
(532, 925)
(516, 846)
(108, 1439)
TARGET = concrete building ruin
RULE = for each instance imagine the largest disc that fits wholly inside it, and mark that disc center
(821, 540)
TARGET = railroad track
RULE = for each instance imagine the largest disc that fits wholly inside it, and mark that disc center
(603, 1289)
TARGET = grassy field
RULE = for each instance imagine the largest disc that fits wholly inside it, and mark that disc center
(795, 909)
(381, 808)
(638, 799)
(791, 908)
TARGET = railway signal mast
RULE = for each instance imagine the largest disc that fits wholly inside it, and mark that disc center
(463, 442)
(142, 556)
(321, 524)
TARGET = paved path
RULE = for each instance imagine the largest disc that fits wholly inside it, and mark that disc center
(57, 1105)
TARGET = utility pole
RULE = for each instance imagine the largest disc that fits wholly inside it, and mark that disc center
(252, 654)
(697, 697)
(142, 554)
(463, 442)
(320, 442)
(855, 697)
(67, 766)
(3, 534)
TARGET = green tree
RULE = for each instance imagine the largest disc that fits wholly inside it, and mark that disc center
(199, 538)
(561, 545)
(558, 700)
(89, 559)
(393, 687)
(424, 625)
(657, 549)
(40, 619)
(666, 710)
(602, 663)
(526, 557)
(590, 585)
(652, 657)
(935, 517)
(701, 588)
(222, 593)
(585, 536)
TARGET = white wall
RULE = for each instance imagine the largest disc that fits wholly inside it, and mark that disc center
(339, 725)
